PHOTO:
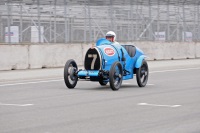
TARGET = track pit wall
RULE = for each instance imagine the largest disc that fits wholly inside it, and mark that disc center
(32, 56)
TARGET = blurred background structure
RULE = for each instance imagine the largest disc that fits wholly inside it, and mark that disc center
(84, 21)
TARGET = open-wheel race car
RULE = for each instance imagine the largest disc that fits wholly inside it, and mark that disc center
(109, 62)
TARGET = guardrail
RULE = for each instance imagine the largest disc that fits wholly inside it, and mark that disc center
(30, 56)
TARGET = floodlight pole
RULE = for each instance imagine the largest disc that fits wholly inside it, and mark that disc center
(90, 27)
(111, 14)
(184, 25)
(39, 24)
(85, 21)
(131, 14)
(150, 17)
(50, 13)
(177, 35)
(1, 28)
(136, 20)
(55, 21)
(21, 24)
(158, 18)
(194, 31)
(8, 21)
(168, 21)
(65, 15)
(198, 21)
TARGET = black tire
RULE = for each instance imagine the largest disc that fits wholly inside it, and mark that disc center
(69, 74)
(116, 76)
(103, 83)
(142, 74)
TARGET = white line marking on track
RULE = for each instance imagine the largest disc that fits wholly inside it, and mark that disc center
(150, 84)
(55, 80)
(131, 83)
(157, 105)
(31, 82)
(174, 70)
(20, 105)
(126, 83)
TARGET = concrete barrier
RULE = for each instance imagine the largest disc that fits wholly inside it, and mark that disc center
(56, 55)
(197, 50)
(13, 57)
(163, 51)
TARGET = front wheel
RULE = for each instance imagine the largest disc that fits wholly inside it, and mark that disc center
(115, 76)
(70, 76)
(142, 74)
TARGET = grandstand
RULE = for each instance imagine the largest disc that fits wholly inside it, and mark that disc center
(83, 21)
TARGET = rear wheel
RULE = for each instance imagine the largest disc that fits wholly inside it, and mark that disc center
(115, 76)
(70, 76)
(142, 74)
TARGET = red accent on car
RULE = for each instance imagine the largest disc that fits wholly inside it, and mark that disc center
(109, 51)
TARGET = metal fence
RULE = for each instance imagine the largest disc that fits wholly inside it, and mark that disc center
(83, 21)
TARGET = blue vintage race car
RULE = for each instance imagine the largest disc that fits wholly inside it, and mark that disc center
(108, 62)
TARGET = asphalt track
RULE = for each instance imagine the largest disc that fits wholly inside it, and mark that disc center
(170, 103)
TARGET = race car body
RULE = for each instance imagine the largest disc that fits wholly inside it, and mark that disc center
(109, 62)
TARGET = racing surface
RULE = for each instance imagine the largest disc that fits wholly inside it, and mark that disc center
(170, 103)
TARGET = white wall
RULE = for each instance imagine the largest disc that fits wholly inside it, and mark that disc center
(197, 50)
(13, 57)
(160, 51)
(56, 55)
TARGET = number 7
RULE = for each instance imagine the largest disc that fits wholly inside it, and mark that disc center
(94, 56)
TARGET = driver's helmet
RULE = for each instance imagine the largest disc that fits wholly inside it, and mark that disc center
(111, 36)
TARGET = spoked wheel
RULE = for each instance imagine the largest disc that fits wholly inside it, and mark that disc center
(116, 76)
(70, 76)
(103, 83)
(142, 74)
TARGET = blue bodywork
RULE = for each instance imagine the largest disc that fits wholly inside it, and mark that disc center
(98, 60)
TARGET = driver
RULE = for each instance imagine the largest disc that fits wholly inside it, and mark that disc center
(111, 36)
